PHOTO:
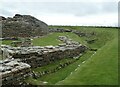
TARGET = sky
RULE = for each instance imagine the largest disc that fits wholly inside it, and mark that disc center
(65, 12)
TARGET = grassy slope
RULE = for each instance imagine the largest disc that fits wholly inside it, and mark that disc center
(102, 68)
(52, 39)
(99, 69)
(61, 74)
(53, 65)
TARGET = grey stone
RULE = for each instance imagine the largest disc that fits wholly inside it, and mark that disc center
(23, 26)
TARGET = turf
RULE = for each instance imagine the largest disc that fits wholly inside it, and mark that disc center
(61, 74)
(52, 39)
(7, 42)
(99, 69)
(52, 65)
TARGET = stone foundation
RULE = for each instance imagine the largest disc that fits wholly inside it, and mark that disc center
(19, 59)
(13, 71)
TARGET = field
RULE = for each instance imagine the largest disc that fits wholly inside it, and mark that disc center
(99, 68)
(93, 68)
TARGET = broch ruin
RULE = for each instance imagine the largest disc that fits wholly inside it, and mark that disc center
(19, 24)
(18, 61)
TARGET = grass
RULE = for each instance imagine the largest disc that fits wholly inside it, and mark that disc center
(52, 65)
(61, 74)
(102, 34)
(52, 39)
(100, 69)
(7, 42)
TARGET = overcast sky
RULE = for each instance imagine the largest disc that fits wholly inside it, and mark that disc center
(65, 12)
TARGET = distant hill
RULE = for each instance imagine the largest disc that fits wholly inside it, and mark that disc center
(23, 26)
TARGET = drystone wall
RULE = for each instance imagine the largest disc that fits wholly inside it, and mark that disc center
(13, 71)
(20, 59)
(79, 33)
(39, 56)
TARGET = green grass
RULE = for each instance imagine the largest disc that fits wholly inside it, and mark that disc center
(102, 34)
(52, 39)
(61, 74)
(52, 65)
(7, 42)
(100, 69)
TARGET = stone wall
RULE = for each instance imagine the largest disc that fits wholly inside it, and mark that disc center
(39, 56)
(36, 59)
(79, 33)
(13, 71)
(19, 59)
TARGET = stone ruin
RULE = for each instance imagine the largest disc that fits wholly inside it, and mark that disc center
(79, 33)
(12, 71)
(23, 26)
(22, 43)
(68, 41)
(20, 59)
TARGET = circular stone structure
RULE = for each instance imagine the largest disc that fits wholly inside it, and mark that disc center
(23, 26)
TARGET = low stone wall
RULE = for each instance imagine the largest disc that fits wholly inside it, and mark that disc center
(36, 59)
(59, 30)
(38, 74)
(13, 71)
(38, 56)
(20, 59)
(79, 33)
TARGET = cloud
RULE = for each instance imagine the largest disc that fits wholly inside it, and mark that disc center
(75, 8)
(60, 1)
(60, 10)
(98, 20)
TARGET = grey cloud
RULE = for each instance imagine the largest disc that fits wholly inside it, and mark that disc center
(74, 8)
